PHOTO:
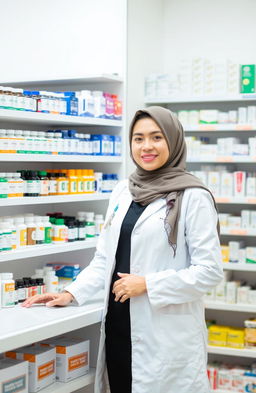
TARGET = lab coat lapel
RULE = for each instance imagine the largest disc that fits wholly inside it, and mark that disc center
(150, 209)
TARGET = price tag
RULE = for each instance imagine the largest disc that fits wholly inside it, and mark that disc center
(251, 200)
(207, 127)
(241, 232)
(245, 127)
(225, 159)
(223, 200)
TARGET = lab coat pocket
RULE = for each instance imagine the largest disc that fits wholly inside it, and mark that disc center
(181, 338)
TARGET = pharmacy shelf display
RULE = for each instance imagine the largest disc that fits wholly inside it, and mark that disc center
(245, 131)
(41, 200)
(23, 326)
(45, 249)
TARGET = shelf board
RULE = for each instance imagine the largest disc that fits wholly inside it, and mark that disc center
(222, 391)
(219, 127)
(248, 353)
(68, 387)
(46, 249)
(237, 232)
(48, 119)
(242, 267)
(22, 326)
(236, 200)
(183, 99)
(230, 307)
(98, 78)
(53, 199)
(224, 159)
(58, 158)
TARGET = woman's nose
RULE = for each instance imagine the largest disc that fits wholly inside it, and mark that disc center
(147, 144)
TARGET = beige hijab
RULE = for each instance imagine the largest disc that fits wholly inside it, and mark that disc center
(169, 181)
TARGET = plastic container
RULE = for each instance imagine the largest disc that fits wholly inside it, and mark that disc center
(99, 222)
(31, 231)
(10, 225)
(90, 225)
(72, 178)
(60, 231)
(3, 186)
(44, 183)
(7, 290)
(51, 282)
(6, 237)
(39, 230)
(62, 183)
(47, 229)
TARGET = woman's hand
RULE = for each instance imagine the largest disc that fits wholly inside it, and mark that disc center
(49, 299)
(128, 286)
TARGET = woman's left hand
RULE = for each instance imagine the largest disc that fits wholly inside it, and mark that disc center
(128, 286)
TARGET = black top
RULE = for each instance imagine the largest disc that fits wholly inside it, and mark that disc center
(117, 328)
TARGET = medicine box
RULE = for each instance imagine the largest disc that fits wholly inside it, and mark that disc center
(65, 270)
(247, 78)
(103, 145)
(72, 357)
(41, 367)
(13, 376)
(217, 335)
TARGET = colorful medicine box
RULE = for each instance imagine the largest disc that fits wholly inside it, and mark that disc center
(217, 335)
(41, 367)
(65, 270)
(13, 376)
(235, 338)
(247, 78)
(72, 357)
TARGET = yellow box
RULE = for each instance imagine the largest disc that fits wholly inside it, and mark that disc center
(217, 335)
(225, 253)
(235, 338)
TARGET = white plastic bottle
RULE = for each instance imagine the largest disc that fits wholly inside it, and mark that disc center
(99, 222)
(51, 282)
(39, 230)
(7, 290)
(31, 230)
(21, 231)
(6, 236)
(13, 239)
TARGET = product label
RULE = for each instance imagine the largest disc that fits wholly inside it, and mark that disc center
(90, 230)
(48, 234)
(52, 187)
(80, 185)
(71, 233)
(73, 186)
(21, 294)
(23, 237)
(78, 361)
(31, 236)
(33, 186)
(44, 189)
(8, 295)
(14, 385)
(62, 187)
(40, 234)
(82, 233)
(46, 370)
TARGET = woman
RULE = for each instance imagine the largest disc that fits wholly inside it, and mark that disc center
(157, 256)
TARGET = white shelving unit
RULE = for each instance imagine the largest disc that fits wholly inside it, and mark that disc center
(215, 310)
(21, 326)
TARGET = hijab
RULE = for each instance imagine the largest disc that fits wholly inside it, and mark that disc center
(169, 181)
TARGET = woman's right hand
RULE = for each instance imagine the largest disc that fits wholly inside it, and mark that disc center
(50, 299)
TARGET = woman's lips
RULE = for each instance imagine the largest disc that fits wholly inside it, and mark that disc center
(148, 157)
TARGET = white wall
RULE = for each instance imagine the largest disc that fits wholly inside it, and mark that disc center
(214, 29)
(61, 38)
(144, 52)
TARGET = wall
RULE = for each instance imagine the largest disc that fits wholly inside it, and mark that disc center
(214, 29)
(61, 38)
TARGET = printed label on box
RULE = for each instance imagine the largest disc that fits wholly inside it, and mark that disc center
(78, 361)
(45, 370)
(14, 385)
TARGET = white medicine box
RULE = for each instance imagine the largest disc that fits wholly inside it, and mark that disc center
(72, 357)
(41, 365)
(13, 376)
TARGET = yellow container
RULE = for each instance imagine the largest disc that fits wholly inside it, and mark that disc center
(225, 253)
(86, 181)
(62, 183)
(91, 179)
(217, 335)
(72, 178)
(80, 181)
(235, 338)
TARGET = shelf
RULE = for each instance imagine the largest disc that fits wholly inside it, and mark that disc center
(224, 159)
(68, 387)
(53, 199)
(46, 249)
(236, 200)
(47, 119)
(58, 158)
(22, 326)
(248, 353)
(219, 127)
(182, 99)
(101, 78)
(230, 307)
(242, 267)
(237, 232)
(222, 391)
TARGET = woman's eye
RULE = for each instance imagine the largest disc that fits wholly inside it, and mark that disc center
(137, 139)
(158, 137)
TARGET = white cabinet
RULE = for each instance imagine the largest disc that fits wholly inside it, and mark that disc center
(21, 326)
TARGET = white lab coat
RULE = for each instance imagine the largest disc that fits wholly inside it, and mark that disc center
(168, 331)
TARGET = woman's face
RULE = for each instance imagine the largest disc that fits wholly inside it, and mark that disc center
(149, 146)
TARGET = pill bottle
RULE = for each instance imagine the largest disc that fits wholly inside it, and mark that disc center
(47, 229)
(72, 232)
(99, 104)
(62, 183)
(80, 181)
(6, 236)
(81, 225)
(31, 231)
(33, 184)
(11, 226)
(21, 231)
(21, 290)
(33, 287)
(39, 273)
(7, 290)
(26, 286)
(90, 225)
(52, 183)
(3, 186)
(39, 230)
(41, 288)
(60, 231)
(11, 184)
(91, 179)
(51, 282)
(99, 222)
(72, 178)
(19, 182)
(44, 183)
(15, 293)
(98, 182)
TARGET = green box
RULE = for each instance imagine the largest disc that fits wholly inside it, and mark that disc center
(247, 78)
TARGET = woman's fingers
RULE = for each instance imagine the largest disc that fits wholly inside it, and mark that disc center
(37, 299)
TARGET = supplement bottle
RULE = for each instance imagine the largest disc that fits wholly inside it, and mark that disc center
(99, 222)
(31, 231)
(33, 287)
(70, 223)
(6, 236)
(72, 178)
(11, 225)
(60, 231)
(51, 282)
(62, 183)
(40, 286)
(7, 290)
(11, 185)
(44, 183)
(21, 291)
(33, 184)
(47, 229)
(21, 231)
(19, 184)
(52, 183)
(3, 186)
(80, 181)
(39, 230)
(90, 225)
